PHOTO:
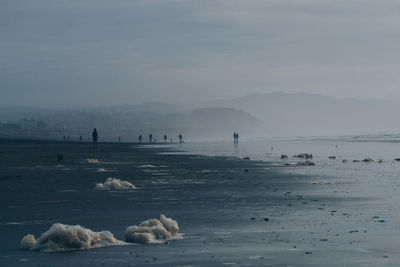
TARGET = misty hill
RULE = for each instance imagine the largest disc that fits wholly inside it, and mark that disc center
(311, 114)
(128, 121)
(149, 107)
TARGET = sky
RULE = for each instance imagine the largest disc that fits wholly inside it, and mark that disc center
(99, 52)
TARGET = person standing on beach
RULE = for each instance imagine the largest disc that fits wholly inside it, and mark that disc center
(180, 138)
(150, 138)
(165, 138)
(140, 138)
(236, 137)
(95, 136)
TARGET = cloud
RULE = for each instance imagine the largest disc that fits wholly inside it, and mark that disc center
(56, 52)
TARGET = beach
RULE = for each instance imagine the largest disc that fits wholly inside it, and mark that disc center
(230, 211)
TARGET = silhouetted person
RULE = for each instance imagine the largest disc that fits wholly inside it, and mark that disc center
(236, 137)
(95, 136)
(165, 138)
(140, 138)
(65, 138)
(180, 138)
(80, 138)
(150, 138)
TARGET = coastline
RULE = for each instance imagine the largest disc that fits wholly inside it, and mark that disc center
(228, 216)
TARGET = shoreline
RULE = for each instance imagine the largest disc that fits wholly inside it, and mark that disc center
(226, 214)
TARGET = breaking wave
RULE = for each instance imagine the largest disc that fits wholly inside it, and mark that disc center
(114, 184)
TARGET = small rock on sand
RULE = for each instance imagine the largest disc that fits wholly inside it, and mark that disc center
(306, 163)
(304, 156)
(368, 160)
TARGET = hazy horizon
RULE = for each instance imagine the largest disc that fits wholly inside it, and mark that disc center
(63, 53)
(189, 107)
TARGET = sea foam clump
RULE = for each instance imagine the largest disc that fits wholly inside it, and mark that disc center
(61, 237)
(147, 166)
(114, 184)
(153, 231)
(94, 161)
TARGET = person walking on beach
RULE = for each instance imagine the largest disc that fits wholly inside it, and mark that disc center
(95, 136)
(180, 138)
(236, 137)
(165, 138)
(150, 138)
(140, 138)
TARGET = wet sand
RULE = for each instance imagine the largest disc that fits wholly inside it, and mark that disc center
(230, 211)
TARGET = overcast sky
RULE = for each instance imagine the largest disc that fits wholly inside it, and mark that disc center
(102, 52)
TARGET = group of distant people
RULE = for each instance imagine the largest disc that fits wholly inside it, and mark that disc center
(140, 138)
(95, 137)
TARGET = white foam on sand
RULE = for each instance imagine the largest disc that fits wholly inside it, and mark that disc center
(61, 237)
(322, 182)
(94, 161)
(114, 184)
(153, 231)
(147, 166)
